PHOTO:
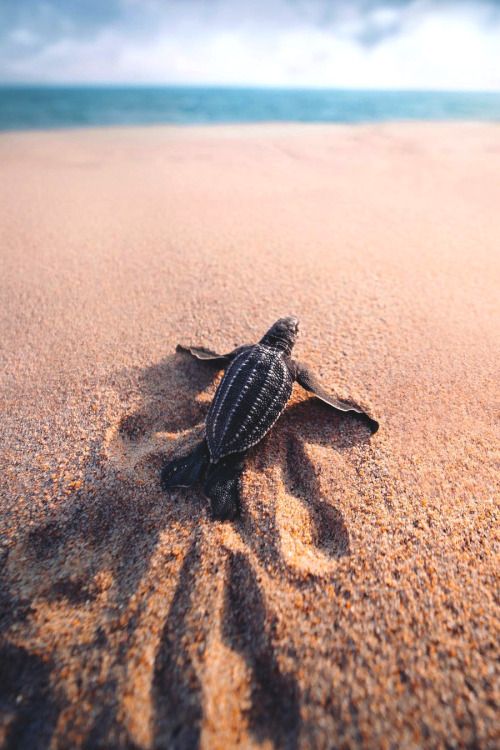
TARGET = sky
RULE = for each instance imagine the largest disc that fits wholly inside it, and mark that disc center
(367, 44)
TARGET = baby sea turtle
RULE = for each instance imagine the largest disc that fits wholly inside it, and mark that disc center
(251, 396)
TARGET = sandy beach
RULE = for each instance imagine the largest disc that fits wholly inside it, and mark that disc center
(356, 600)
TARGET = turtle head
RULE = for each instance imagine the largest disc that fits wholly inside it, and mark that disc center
(282, 335)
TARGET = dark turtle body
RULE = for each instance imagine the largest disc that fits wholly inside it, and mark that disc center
(251, 396)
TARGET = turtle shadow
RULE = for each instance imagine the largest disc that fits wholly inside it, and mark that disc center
(87, 564)
(339, 433)
(178, 392)
(176, 688)
(168, 392)
(301, 479)
(248, 627)
(27, 699)
(90, 554)
(316, 506)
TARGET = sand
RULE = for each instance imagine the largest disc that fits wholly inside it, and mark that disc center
(356, 601)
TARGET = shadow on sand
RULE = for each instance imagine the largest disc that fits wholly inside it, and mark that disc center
(91, 556)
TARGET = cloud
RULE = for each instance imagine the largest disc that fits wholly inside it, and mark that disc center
(359, 43)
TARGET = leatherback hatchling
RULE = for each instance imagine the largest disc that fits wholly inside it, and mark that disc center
(251, 396)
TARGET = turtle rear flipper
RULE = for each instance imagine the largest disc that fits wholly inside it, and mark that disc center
(185, 471)
(222, 487)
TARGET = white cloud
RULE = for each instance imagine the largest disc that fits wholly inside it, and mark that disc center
(421, 45)
(23, 37)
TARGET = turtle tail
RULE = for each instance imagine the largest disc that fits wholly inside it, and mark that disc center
(185, 471)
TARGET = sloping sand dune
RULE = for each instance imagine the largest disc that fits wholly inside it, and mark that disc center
(356, 601)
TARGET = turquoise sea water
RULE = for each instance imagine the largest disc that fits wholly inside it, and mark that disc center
(26, 108)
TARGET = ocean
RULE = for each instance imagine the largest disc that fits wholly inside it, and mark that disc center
(28, 108)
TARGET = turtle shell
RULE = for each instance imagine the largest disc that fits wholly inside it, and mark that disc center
(250, 398)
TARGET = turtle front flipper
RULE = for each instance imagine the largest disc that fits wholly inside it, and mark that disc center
(200, 352)
(308, 380)
(185, 471)
(222, 487)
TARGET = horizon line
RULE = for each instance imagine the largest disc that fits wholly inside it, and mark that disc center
(235, 86)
